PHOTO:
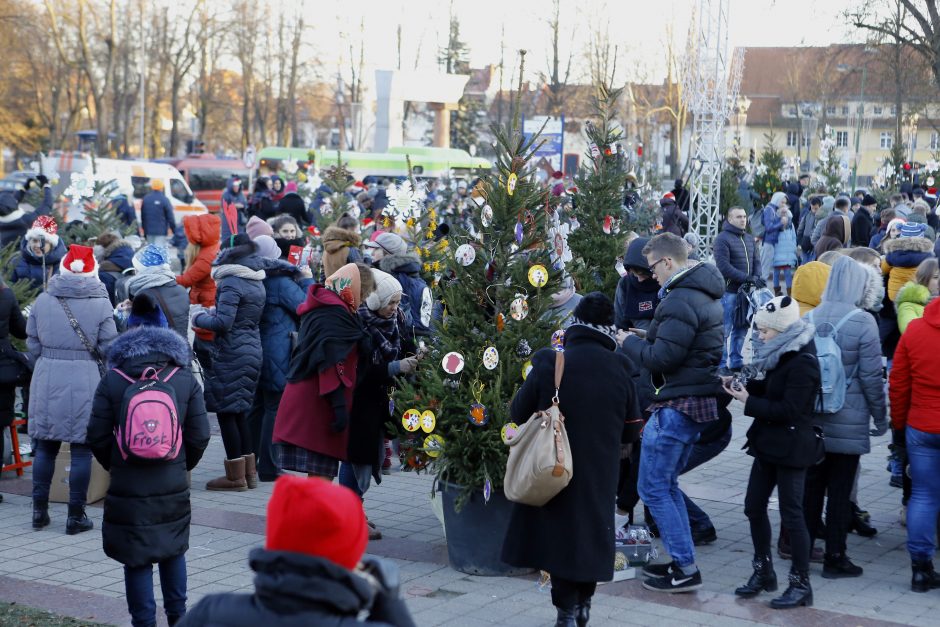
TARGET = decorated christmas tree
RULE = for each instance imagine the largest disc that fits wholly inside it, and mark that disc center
(337, 178)
(599, 238)
(829, 170)
(496, 294)
(418, 222)
(91, 212)
(770, 163)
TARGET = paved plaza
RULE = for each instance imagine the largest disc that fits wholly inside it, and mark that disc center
(70, 575)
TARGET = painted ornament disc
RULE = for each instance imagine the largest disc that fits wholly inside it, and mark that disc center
(465, 254)
(433, 444)
(428, 421)
(508, 432)
(538, 275)
(411, 420)
(490, 358)
(452, 363)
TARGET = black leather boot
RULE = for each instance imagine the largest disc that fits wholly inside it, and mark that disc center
(40, 514)
(925, 577)
(566, 617)
(798, 593)
(762, 579)
(77, 521)
(583, 610)
(839, 566)
(861, 523)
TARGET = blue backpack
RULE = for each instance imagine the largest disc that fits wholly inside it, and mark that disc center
(833, 381)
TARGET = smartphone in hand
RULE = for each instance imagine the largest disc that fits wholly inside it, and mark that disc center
(640, 333)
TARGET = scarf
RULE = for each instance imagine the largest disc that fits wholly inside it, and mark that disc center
(606, 329)
(386, 341)
(236, 270)
(150, 279)
(768, 354)
(327, 335)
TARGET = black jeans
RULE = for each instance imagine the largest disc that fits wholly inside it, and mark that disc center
(566, 594)
(835, 476)
(790, 483)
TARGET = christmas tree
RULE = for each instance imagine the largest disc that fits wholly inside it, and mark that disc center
(418, 221)
(337, 178)
(496, 293)
(598, 241)
(769, 165)
(96, 199)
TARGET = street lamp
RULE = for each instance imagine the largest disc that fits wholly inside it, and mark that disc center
(808, 124)
(861, 112)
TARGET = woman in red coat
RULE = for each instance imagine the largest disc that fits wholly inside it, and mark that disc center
(203, 233)
(915, 398)
(311, 431)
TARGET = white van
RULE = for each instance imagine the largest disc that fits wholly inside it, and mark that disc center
(133, 179)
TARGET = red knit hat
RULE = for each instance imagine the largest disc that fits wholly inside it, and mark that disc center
(315, 517)
(80, 261)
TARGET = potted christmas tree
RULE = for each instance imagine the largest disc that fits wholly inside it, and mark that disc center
(496, 291)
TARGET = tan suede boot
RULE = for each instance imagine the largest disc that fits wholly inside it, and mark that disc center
(251, 472)
(234, 479)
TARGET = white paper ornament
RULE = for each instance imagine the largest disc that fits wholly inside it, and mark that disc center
(465, 254)
(490, 358)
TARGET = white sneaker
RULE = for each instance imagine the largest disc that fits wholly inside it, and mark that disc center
(620, 520)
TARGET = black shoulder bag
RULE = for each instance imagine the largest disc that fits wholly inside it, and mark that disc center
(99, 360)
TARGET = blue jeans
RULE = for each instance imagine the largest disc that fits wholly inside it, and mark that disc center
(734, 337)
(923, 454)
(138, 585)
(701, 453)
(44, 468)
(668, 439)
(356, 477)
(808, 256)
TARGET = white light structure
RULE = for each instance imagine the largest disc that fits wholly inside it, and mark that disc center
(710, 86)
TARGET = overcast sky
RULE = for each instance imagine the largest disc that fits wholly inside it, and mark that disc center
(639, 27)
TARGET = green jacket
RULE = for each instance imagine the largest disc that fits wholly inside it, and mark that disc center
(910, 303)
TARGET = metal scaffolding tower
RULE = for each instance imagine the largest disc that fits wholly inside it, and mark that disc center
(710, 85)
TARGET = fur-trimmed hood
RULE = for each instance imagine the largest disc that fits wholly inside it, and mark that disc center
(142, 342)
(334, 239)
(912, 244)
(408, 263)
(873, 296)
(912, 292)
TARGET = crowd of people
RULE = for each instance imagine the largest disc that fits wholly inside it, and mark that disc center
(812, 319)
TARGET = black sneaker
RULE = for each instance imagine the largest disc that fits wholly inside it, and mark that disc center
(657, 570)
(704, 536)
(675, 581)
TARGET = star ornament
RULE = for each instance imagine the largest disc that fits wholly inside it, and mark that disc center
(405, 201)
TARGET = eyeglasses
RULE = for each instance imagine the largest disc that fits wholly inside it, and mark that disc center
(656, 263)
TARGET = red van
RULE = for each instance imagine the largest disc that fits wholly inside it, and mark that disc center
(207, 176)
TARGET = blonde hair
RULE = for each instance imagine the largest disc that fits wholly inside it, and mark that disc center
(926, 271)
(191, 253)
(829, 257)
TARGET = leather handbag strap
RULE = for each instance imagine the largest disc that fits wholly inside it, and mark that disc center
(166, 310)
(559, 371)
(81, 335)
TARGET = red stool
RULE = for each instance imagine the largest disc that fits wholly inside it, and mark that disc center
(18, 464)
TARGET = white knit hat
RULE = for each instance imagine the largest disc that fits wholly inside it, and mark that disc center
(779, 314)
(386, 287)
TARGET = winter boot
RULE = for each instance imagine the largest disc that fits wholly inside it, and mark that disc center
(925, 577)
(583, 613)
(762, 579)
(838, 566)
(251, 472)
(861, 523)
(40, 514)
(798, 593)
(234, 479)
(566, 617)
(77, 521)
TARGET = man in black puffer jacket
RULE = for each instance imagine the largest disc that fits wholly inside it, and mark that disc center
(738, 259)
(680, 356)
(312, 570)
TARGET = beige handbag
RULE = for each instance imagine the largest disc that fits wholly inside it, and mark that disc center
(540, 464)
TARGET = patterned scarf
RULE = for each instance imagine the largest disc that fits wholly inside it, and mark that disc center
(386, 341)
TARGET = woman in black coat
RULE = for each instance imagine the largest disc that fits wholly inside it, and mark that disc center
(782, 441)
(13, 365)
(572, 536)
(147, 508)
(234, 362)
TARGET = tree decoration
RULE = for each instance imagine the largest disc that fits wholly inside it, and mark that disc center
(405, 201)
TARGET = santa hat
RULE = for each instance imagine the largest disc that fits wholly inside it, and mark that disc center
(44, 227)
(316, 518)
(79, 261)
(669, 196)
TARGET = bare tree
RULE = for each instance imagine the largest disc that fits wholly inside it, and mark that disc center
(246, 26)
(920, 31)
(555, 80)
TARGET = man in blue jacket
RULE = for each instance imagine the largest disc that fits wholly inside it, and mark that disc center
(738, 260)
(156, 215)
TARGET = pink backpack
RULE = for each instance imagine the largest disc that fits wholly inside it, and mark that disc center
(149, 430)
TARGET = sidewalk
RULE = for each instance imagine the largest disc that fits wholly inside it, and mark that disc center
(71, 575)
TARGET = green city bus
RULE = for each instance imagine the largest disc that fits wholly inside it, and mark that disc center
(426, 161)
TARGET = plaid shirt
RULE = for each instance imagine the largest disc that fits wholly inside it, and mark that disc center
(696, 408)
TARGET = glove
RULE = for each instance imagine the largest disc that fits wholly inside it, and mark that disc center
(879, 431)
(43, 180)
(195, 313)
(25, 311)
(407, 365)
(387, 606)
